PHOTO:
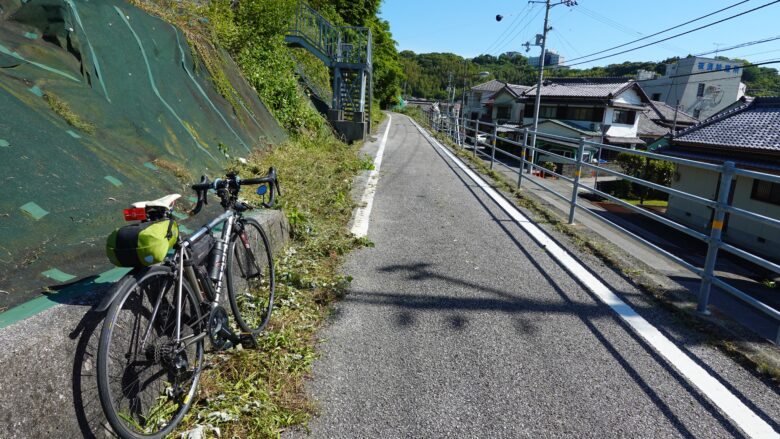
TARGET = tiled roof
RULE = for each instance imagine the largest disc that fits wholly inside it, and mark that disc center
(648, 128)
(665, 112)
(518, 90)
(603, 88)
(493, 85)
(753, 126)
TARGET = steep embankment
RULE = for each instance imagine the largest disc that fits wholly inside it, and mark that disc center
(102, 105)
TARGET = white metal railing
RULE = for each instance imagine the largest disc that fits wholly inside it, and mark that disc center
(485, 134)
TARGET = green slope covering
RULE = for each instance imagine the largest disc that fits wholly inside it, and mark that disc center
(101, 105)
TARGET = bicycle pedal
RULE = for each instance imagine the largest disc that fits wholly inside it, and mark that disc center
(248, 341)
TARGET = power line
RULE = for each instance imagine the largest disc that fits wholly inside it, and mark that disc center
(663, 31)
(524, 28)
(565, 41)
(680, 34)
(620, 27)
(508, 28)
(741, 45)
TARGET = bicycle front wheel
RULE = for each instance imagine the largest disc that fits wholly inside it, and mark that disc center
(147, 381)
(250, 276)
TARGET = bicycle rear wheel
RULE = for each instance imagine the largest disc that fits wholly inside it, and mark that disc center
(146, 382)
(250, 276)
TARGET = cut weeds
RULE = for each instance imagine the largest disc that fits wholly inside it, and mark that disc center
(259, 393)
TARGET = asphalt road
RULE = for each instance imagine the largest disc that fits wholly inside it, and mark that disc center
(458, 324)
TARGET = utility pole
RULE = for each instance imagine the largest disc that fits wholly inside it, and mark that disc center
(543, 38)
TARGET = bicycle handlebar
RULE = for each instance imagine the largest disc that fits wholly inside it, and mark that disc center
(234, 182)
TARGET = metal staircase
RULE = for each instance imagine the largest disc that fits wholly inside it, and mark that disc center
(346, 50)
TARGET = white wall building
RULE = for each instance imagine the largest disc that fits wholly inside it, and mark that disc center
(702, 86)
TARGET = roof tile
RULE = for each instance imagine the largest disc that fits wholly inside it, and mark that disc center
(753, 126)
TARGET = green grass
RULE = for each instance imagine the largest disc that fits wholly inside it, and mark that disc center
(262, 390)
(62, 109)
(654, 203)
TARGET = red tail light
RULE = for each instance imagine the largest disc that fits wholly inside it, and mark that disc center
(135, 214)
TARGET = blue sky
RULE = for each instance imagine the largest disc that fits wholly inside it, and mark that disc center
(469, 28)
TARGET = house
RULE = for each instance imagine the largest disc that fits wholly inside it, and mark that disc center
(599, 109)
(659, 119)
(507, 104)
(748, 136)
(476, 106)
(702, 86)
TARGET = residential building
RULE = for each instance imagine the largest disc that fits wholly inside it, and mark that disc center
(477, 99)
(551, 59)
(748, 136)
(604, 106)
(507, 104)
(701, 86)
(659, 119)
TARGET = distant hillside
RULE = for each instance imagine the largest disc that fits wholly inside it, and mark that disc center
(428, 73)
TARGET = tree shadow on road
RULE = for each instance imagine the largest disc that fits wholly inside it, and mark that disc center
(586, 314)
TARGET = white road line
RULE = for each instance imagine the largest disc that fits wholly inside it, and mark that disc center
(363, 213)
(744, 418)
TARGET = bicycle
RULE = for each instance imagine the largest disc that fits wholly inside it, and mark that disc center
(151, 348)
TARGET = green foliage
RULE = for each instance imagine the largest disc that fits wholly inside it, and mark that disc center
(660, 171)
(631, 163)
(550, 166)
(656, 171)
(427, 73)
(253, 34)
(388, 71)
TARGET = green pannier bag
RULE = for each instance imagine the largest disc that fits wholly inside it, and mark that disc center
(142, 244)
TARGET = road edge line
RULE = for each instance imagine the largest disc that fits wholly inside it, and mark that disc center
(362, 213)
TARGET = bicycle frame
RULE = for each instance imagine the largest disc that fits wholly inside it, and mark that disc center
(229, 218)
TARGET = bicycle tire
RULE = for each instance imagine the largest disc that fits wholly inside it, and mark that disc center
(158, 397)
(250, 277)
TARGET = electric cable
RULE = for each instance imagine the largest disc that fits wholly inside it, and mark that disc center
(679, 34)
(663, 31)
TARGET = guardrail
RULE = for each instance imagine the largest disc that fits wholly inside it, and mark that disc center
(485, 134)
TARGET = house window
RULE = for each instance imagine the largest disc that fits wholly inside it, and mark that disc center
(728, 67)
(624, 117)
(575, 113)
(701, 66)
(503, 112)
(709, 66)
(548, 112)
(696, 113)
(657, 96)
(718, 67)
(700, 90)
(766, 191)
(736, 69)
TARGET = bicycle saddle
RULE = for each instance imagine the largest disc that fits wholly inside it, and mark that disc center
(166, 202)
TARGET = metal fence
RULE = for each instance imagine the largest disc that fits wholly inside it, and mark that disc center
(340, 44)
(481, 134)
